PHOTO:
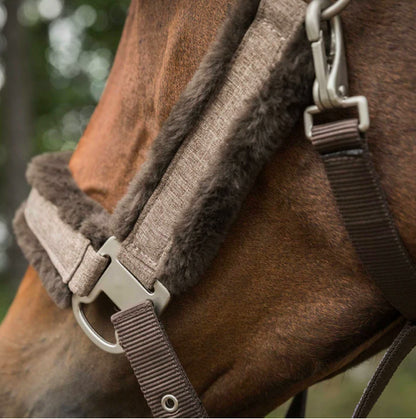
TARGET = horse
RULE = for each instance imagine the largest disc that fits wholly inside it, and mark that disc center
(286, 302)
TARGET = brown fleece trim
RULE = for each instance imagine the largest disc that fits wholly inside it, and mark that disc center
(50, 175)
(257, 135)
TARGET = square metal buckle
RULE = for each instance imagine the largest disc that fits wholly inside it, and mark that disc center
(123, 289)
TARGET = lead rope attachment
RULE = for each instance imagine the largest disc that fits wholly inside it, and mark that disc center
(357, 191)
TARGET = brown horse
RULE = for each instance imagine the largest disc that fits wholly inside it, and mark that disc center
(285, 303)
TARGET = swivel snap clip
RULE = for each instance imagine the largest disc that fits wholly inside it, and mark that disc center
(330, 89)
(331, 84)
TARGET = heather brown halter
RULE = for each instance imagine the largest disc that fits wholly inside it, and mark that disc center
(127, 272)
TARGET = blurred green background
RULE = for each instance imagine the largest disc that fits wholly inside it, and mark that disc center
(55, 57)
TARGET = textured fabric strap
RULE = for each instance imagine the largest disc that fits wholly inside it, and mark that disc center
(70, 252)
(400, 348)
(365, 212)
(155, 364)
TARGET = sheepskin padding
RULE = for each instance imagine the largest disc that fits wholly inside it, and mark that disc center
(50, 175)
(256, 135)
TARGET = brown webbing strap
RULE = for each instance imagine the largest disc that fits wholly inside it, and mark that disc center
(365, 212)
(297, 408)
(371, 228)
(161, 377)
(400, 348)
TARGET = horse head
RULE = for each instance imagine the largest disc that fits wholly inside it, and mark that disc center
(286, 302)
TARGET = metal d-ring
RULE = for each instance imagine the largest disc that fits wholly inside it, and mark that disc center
(123, 289)
(335, 9)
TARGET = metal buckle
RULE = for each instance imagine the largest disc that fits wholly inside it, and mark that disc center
(330, 89)
(123, 288)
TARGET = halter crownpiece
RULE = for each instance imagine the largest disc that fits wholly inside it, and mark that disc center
(168, 228)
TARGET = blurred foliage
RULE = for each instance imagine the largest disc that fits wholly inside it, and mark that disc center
(71, 47)
(70, 58)
(6, 297)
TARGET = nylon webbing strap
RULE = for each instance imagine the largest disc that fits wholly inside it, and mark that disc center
(371, 228)
(297, 408)
(400, 348)
(365, 212)
(155, 364)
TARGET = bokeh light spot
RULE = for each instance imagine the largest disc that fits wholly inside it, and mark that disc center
(85, 15)
(50, 9)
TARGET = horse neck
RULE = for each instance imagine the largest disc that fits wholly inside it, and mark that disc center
(309, 309)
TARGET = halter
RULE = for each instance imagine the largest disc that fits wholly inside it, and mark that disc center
(171, 223)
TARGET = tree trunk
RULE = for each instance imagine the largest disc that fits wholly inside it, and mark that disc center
(16, 128)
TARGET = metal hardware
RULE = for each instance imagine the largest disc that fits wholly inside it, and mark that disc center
(330, 89)
(313, 19)
(123, 288)
(170, 403)
(331, 84)
(360, 102)
(335, 9)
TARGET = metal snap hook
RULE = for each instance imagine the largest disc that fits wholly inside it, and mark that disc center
(330, 89)
(335, 9)
(331, 85)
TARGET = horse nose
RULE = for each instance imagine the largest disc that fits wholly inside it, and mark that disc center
(29, 403)
(9, 405)
(50, 406)
(9, 376)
